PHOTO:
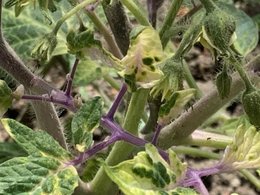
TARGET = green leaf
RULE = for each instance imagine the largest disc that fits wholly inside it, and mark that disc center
(175, 105)
(43, 172)
(5, 97)
(244, 151)
(84, 123)
(148, 173)
(10, 150)
(22, 33)
(246, 29)
(79, 40)
(35, 143)
(88, 71)
(37, 175)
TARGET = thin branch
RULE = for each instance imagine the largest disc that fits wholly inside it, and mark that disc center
(117, 101)
(70, 78)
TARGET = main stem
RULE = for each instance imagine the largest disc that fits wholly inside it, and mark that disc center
(121, 150)
(45, 112)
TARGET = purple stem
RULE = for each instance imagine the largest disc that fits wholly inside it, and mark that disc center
(70, 78)
(117, 101)
(118, 133)
(195, 181)
(92, 151)
(60, 99)
(156, 134)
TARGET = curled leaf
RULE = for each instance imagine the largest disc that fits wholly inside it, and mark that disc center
(171, 80)
(244, 151)
(43, 50)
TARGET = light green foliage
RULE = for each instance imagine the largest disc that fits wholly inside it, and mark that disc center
(171, 81)
(251, 104)
(35, 143)
(84, 123)
(5, 97)
(37, 175)
(77, 41)
(175, 105)
(149, 173)
(143, 56)
(43, 171)
(88, 71)
(22, 33)
(244, 151)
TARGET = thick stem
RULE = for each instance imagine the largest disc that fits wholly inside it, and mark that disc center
(46, 115)
(175, 6)
(121, 150)
(134, 9)
(189, 121)
(118, 23)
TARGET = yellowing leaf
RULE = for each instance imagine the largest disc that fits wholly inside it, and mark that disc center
(143, 56)
(244, 151)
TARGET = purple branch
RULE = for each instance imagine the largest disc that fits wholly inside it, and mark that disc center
(118, 133)
(70, 78)
(156, 134)
(57, 97)
(92, 151)
(117, 101)
(195, 181)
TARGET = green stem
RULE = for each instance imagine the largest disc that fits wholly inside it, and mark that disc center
(175, 6)
(253, 179)
(195, 152)
(121, 150)
(71, 13)
(114, 83)
(241, 71)
(134, 9)
(202, 138)
(107, 35)
(190, 80)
